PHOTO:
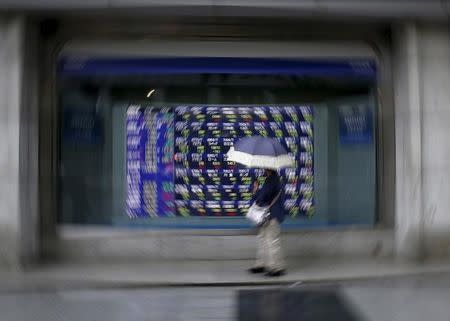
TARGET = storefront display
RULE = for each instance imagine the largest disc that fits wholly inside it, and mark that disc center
(145, 139)
(149, 162)
(176, 162)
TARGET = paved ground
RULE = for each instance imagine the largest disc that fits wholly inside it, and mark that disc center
(383, 299)
(69, 276)
(209, 290)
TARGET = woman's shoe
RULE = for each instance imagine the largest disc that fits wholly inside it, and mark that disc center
(257, 269)
(276, 273)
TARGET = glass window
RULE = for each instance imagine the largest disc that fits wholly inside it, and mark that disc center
(143, 141)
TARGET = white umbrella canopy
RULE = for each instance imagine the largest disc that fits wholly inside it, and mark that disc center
(260, 152)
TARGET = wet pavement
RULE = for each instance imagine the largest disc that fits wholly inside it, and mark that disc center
(384, 299)
(292, 304)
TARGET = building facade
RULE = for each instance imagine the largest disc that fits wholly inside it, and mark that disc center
(374, 77)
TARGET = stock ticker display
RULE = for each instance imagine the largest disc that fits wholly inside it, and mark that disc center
(177, 165)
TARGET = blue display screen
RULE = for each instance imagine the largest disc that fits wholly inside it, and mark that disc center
(177, 165)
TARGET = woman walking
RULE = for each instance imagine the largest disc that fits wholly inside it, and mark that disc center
(269, 258)
(267, 153)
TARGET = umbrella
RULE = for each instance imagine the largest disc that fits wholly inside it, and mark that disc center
(260, 152)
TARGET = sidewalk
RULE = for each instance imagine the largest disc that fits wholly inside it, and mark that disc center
(203, 273)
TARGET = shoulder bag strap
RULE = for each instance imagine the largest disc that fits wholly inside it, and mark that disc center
(276, 197)
(274, 200)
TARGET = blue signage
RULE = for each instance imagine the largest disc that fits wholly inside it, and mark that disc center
(355, 124)
(81, 127)
(74, 66)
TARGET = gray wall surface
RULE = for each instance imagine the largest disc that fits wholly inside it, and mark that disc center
(19, 136)
(436, 9)
(11, 33)
(422, 98)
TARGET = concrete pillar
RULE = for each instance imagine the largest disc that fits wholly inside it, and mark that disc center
(435, 76)
(10, 82)
(422, 118)
(18, 147)
(408, 139)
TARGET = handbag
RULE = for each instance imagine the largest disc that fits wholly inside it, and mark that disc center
(259, 214)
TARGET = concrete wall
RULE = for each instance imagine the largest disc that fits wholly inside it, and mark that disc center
(11, 30)
(422, 98)
(437, 9)
(18, 147)
(86, 244)
(434, 62)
